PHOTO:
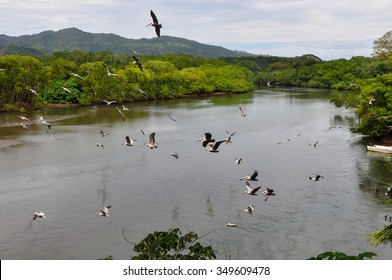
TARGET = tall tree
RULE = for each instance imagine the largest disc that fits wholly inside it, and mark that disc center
(382, 47)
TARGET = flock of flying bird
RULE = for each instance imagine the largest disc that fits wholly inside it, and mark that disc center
(128, 142)
(208, 142)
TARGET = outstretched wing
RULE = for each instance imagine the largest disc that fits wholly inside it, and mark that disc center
(216, 146)
(154, 17)
(152, 138)
(254, 175)
(255, 190)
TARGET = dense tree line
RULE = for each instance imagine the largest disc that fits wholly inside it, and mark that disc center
(364, 83)
(83, 78)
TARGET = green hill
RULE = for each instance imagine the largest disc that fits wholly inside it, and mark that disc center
(74, 39)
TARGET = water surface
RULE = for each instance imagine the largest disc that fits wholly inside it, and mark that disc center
(71, 179)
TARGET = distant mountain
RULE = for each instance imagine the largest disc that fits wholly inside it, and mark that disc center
(74, 39)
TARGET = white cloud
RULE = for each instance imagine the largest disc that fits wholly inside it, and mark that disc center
(214, 21)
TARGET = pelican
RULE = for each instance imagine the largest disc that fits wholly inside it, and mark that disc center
(231, 225)
(155, 23)
(357, 136)
(124, 108)
(109, 102)
(137, 62)
(238, 161)
(100, 145)
(333, 126)
(39, 214)
(372, 100)
(313, 145)
(76, 75)
(250, 209)
(128, 141)
(24, 126)
(122, 114)
(44, 122)
(289, 139)
(315, 178)
(251, 177)
(109, 72)
(249, 190)
(66, 89)
(243, 114)
(269, 84)
(103, 133)
(206, 139)
(152, 144)
(173, 119)
(175, 155)
(51, 136)
(24, 118)
(33, 91)
(144, 93)
(105, 211)
(267, 193)
(228, 141)
(213, 148)
(135, 52)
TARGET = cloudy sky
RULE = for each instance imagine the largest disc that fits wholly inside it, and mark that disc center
(330, 29)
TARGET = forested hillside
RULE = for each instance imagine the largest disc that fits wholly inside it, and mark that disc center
(70, 39)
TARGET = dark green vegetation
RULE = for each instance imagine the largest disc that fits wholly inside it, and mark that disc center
(170, 76)
(343, 256)
(70, 39)
(171, 245)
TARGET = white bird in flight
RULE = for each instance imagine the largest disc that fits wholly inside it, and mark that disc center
(251, 177)
(39, 214)
(213, 148)
(152, 144)
(66, 89)
(76, 75)
(250, 209)
(105, 211)
(109, 102)
(249, 190)
(44, 122)
(128, 141)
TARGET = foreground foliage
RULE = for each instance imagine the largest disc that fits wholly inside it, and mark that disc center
(343, 256)
(172, 245)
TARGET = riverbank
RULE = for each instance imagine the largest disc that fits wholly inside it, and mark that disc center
(29, 107)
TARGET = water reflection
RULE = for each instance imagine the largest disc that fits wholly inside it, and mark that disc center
(150, 190)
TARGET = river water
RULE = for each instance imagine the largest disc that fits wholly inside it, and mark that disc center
(70, 179)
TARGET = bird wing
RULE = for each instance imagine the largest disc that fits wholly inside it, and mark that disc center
(208, 136)
(255, 190)
(106, 209)
(158, 30)
(136, 59)
(248, 188)
(128, 140)
(152, 138)
(154, 17)
(254, 175)
(216, 146)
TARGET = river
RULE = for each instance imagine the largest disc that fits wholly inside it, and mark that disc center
(62, 172)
